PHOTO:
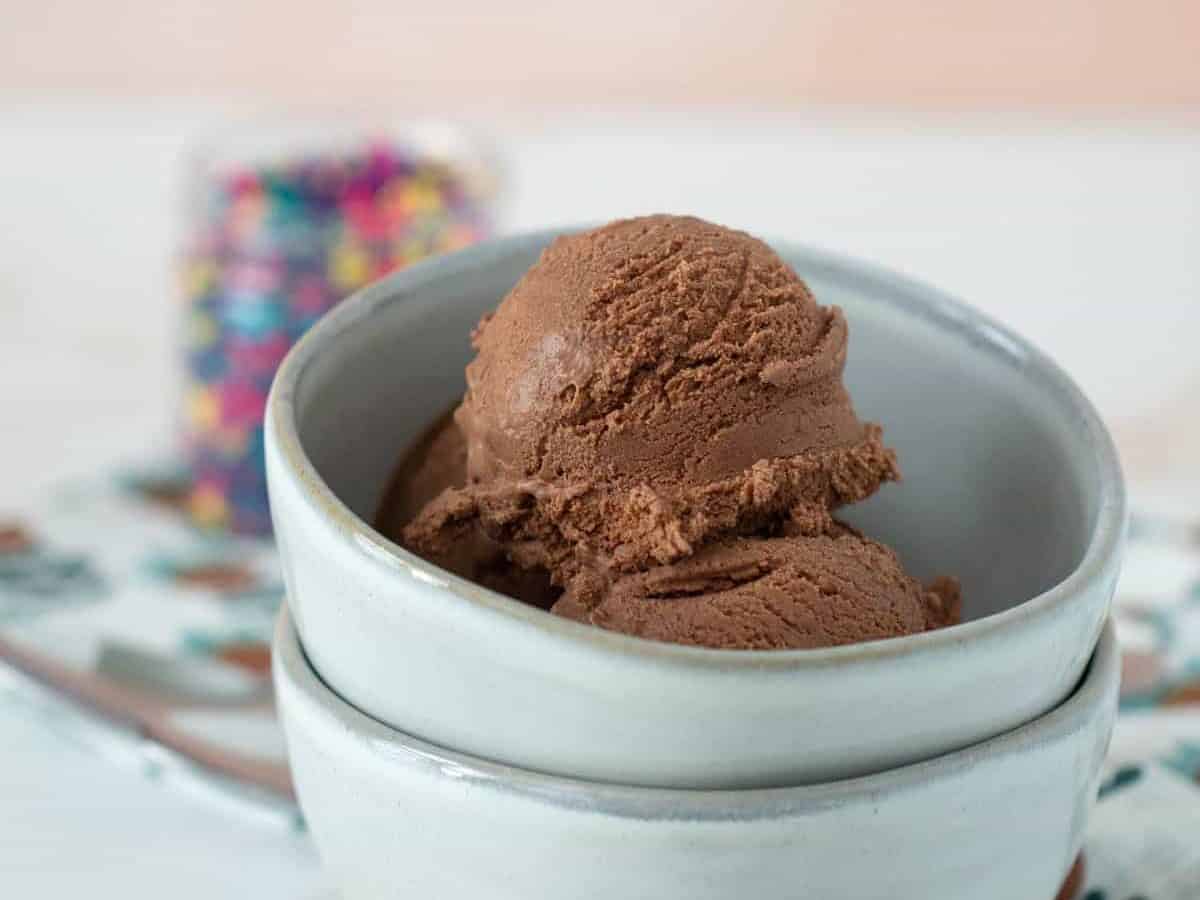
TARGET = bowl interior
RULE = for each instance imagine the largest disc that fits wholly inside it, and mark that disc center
(1002, 476)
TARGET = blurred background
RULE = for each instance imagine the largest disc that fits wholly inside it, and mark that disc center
(1039, 159)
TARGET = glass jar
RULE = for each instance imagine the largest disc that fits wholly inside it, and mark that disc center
(283, 223)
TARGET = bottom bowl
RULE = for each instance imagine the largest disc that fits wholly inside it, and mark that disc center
(394, 816)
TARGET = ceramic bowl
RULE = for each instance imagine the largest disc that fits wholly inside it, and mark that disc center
(1011, 483)
(395, 816)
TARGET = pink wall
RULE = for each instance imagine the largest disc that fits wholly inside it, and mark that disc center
(1054, 55)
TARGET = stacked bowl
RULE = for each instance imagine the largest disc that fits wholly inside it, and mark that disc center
(450, 742)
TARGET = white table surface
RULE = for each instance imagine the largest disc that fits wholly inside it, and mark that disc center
(76, 824)
(1083, 238)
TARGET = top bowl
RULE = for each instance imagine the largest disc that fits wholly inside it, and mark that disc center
(1011, 483)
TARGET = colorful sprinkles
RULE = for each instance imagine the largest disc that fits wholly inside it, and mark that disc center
(273, 246)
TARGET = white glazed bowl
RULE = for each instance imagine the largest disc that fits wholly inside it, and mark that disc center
(394, 816)
(1011, 483)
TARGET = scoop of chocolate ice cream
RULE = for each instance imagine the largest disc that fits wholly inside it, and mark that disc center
(652, 384)
(437, 461)
(655, 421)
(768, 593)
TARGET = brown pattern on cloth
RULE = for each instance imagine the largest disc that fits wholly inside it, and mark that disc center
(1140, 672)
(251, 656)
(169, 493)
(1187, 694)
(15, 538)
(225, 577)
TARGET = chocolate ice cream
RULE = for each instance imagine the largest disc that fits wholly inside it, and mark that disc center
(654, 400)
(768, 593)
(436, 462)
(653, 384)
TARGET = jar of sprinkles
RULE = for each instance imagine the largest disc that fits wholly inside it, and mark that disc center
(283, 224)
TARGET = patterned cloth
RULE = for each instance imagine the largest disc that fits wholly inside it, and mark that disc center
(107, 592)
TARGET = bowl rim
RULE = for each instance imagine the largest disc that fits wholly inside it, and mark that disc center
(928, 304)
(294, 672)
